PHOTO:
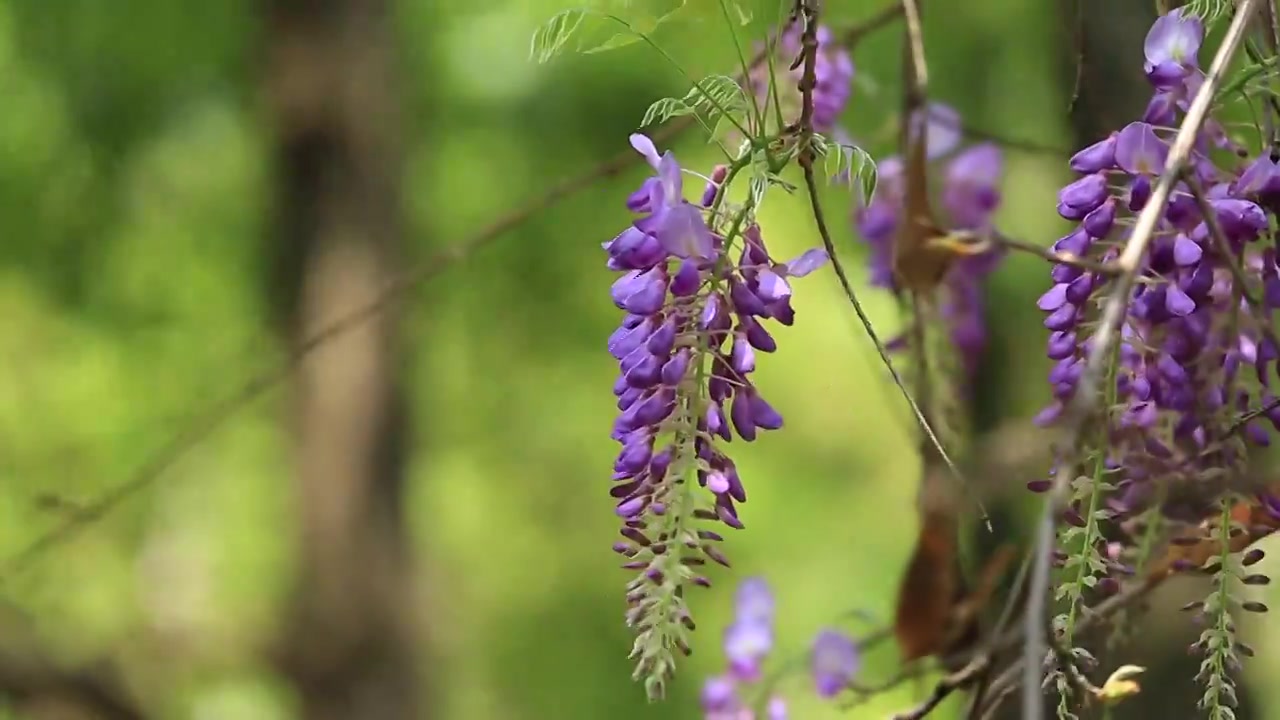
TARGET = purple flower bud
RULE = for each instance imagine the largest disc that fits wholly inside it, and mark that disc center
(656, 407)
(1260, 176)
(1061, 345)
(1076, 243)
(1241, 219)
(1054, 298)
(763, 414)
(1048, 415)
(642, 293)
(754, 601)
(1079, 290)
(646, 372)
(687, 280)
(742, 415)
(1099, 222)
(625, 341)
(759, 338)
(1064, 318)
(673, 370)
(634, 456)
(1082, 196)
(834, 662)
(1098, 156)
(1161, 109)
(746, 644)
(716, 424)
(743, 357)
(714, 315)
(630, 508)
(745, 302)
(1186, 252)
(1178, 302)
(1139, 193)
(663, 339)
(719, 697)
(771, 287)
(878, 220)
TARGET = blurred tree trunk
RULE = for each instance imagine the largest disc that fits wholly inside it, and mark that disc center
(349, 647)
(1102, 49)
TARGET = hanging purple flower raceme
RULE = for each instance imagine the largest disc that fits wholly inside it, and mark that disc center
(1175, 390)
(969, 197)
(688, 344)
(738, 693)
(833, 71)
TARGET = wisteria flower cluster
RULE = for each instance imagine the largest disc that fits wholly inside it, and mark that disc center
(743, 689)
(698, 286)
(1196, 350)
(969, 197)
(1190, 327)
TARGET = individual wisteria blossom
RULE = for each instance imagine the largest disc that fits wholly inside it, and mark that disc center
(698, 286)
(833, 71)
(748, 640)
(968, 198)
(834, 661)
(740, 693)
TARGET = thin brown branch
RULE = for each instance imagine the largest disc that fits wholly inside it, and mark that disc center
(854, 35)
(1078, 42)
(973, 133)
(808, 9)
(1253, 414)
(975, 243)
(915, 41)
(1085, 400)
(960, 679)
(1010, 678)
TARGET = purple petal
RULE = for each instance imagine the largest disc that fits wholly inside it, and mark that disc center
(754, 602)
(808, 261)
(835, 661)
(719, 695)
(771, 287)
(1186, 252)
(645, 147)
(1055, 298)
(745, 645)
(1139, 151)
(1174, 38)
(942, 130)
(1098, 156)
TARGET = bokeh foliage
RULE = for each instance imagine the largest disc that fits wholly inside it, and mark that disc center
(134, 290)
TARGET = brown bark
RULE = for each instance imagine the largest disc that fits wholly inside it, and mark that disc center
(329, 83)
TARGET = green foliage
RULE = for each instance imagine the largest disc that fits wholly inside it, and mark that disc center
(848, 164)
(594, 26)
(711, 99)
(1210, 10)
(1218, 640)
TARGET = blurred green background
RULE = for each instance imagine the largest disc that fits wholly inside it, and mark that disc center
(133, 292)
